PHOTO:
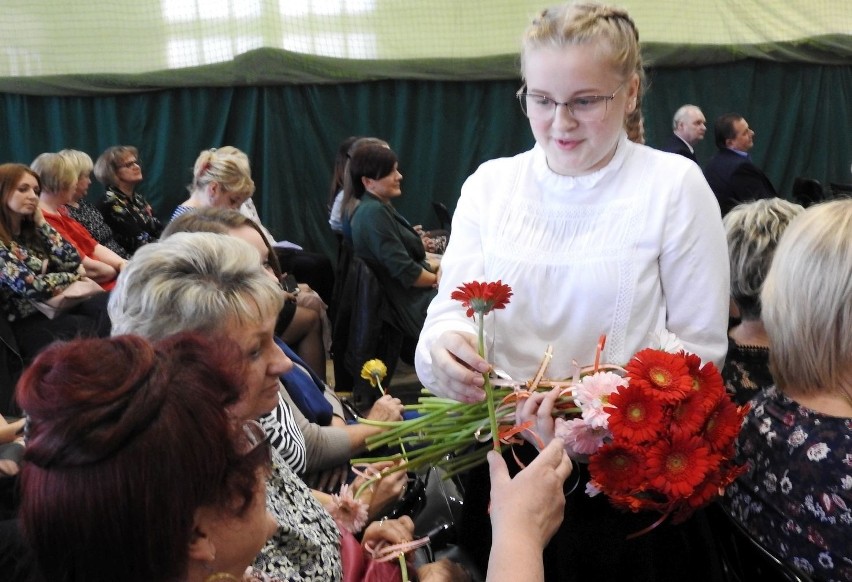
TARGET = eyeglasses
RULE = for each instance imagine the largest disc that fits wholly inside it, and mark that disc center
(130, 164)
(255, 436)
(586, 108)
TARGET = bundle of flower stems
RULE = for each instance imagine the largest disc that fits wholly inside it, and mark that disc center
(450, 434)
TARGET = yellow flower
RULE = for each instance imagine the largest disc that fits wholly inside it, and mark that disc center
(374, 371)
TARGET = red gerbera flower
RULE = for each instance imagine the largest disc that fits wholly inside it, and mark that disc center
(634, 415)
(664, 375)
(688, 416)
(706, 380)
(678, 466)
(481, 298)
(618, 469)
(723, 424)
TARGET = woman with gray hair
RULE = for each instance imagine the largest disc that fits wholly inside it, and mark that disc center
(753, 231)
(796, 495)
(215, 285)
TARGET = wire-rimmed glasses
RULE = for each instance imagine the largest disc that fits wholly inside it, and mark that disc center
(586, 108)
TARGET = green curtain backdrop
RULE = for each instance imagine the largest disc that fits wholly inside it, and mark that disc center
(442, 130)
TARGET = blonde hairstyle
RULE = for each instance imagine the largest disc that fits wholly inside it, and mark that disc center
(807, 300)
(227, 166)
(56, 171)
(192, 282)
(80, 160)
(753, 231)
(608, 27)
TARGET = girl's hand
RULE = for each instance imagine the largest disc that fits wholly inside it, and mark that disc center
(458, 367)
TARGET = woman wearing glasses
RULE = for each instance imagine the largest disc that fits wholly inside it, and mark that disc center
(125, 210)
(596, 235)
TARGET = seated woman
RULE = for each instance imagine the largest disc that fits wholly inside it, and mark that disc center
(59, 181)
(753, 231)
(127, 477)
(36, 264)
(222, 179)
(385, 240)
(215, 285)
(124, 209)
(796, 495)
(335, 194)
(82, 211)
(318, 412)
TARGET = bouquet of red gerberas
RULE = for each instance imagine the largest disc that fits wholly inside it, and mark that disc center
(658, 434)
(671, 429)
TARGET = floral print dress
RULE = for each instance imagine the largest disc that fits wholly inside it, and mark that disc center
(796, 496)
(88, 216)
(132, 220)
(27, 274)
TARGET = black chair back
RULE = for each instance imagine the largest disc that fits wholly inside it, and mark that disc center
(744, 558)
(807, 191)
(839, 190)
(360, 332)
(444, 218)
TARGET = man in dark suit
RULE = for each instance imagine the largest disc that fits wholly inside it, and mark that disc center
(689, 127)
(731, 174)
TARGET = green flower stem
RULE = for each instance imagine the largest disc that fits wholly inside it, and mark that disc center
(489, 395)
(403, 566)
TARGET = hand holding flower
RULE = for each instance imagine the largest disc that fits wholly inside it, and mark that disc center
(386, 408)
(458, 367)
(389, 531)
(383, 492)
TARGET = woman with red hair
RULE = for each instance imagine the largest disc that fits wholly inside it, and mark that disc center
(136, 469)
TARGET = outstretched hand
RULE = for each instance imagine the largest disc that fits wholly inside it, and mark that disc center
(531, 506)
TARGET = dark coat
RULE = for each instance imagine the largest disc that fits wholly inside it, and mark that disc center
(734, 179)
(676, 145)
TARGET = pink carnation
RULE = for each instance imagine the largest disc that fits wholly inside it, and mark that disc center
(592, 395)
(579, 437)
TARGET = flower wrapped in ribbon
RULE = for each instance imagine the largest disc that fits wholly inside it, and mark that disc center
(658, 433)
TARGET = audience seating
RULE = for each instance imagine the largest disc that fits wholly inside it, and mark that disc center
(11, 365)
(744, 559)
(807, 191)
(839, 190)
(445, 221)
(360, 332)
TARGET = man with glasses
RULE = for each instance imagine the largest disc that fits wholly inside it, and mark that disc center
(688, 128)
(732, 175)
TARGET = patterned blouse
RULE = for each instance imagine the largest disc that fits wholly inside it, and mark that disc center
(746, 371)
(88, 216)
(132, 221)
(306, 546)
(28, 274)
(796, 496)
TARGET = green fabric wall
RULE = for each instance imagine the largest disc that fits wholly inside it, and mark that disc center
(441, 130)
